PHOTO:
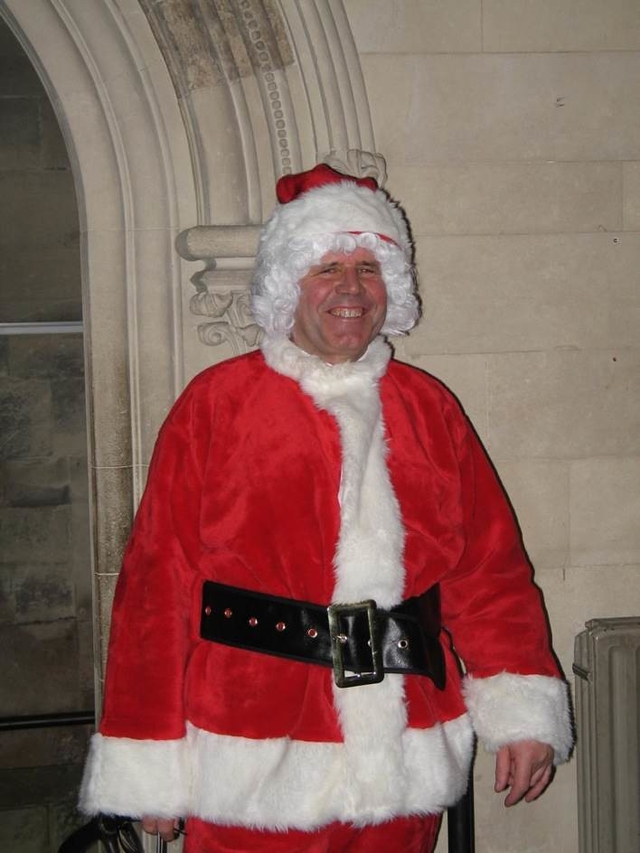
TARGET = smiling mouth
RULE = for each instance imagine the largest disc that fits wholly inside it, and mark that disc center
(347, 313)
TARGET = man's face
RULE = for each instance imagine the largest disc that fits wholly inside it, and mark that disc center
(342, 306)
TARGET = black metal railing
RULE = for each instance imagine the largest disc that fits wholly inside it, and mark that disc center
(45, 721)
(461, 823)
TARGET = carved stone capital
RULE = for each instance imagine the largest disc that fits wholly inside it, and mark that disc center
(215, 242)
(231, 320)
(222, 287)
(360, 164)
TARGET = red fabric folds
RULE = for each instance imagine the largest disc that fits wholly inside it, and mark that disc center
(402, 835)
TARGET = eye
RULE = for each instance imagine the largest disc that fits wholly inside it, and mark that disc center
(369, 269)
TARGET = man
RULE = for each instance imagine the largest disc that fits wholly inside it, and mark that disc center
(287, 483)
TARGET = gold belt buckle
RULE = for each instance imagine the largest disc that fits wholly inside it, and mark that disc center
(339, 639)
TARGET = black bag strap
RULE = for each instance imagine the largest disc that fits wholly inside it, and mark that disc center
(116, 833)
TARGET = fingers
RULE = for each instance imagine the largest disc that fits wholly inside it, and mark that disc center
(503, 769)
(150, 825)
(164, 827)
(525, 768)
(539, 785)
(519, 781)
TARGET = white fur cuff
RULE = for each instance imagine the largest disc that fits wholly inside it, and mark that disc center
(508, 708)
(135, 778)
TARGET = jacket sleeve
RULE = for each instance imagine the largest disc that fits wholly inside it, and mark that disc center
(513, 687)
(137, 763)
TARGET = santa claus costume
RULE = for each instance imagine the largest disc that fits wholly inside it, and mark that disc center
(280, 475)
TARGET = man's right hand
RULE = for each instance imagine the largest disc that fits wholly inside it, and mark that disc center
(164, 827)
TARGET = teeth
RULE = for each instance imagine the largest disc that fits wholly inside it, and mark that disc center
(347, 312)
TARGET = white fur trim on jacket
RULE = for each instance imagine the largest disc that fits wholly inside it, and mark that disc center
(368, 561)
(276, 783)
(507, 708)
(130, 777)
(280, 783)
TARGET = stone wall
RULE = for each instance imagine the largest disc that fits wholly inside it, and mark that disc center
(45, 578)
(512, 136)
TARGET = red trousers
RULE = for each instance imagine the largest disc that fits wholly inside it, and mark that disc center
(402, 835)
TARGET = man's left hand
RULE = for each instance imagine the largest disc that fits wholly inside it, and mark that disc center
(525, 767)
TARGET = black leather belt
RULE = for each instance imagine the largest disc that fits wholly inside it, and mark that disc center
(359, 641)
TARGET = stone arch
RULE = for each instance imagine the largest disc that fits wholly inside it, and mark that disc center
(174, 135)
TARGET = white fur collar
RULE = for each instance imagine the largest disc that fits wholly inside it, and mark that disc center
(283, 356)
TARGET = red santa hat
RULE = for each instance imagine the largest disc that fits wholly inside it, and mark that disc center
(322, 211)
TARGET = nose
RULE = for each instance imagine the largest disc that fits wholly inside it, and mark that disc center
(349, 280)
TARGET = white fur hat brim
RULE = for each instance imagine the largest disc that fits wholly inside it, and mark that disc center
(337, 208)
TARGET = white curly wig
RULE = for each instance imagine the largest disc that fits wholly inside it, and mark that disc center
(338, 216)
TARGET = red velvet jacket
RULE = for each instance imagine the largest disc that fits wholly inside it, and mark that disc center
(280, 474)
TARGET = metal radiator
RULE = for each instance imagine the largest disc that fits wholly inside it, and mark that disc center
(607, 666)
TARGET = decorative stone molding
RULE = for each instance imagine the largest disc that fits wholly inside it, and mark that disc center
(235, 325)
(202, 242)
(222, 292)
(228, 61)
(361, 164)
(266, 87)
